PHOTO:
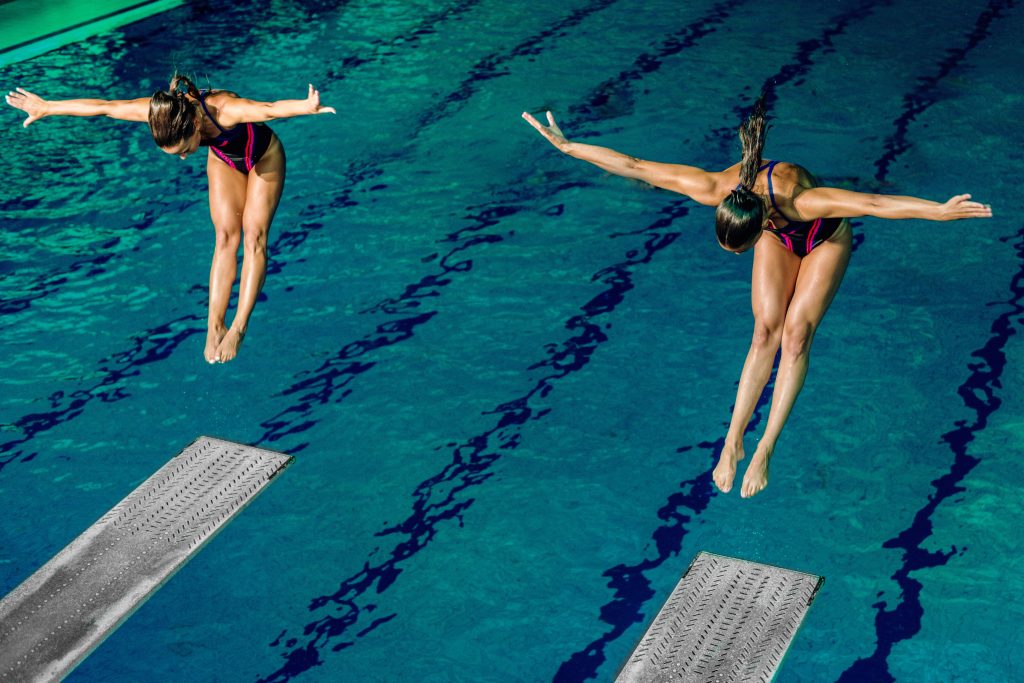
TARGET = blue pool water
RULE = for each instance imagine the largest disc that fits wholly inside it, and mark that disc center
(505, 374)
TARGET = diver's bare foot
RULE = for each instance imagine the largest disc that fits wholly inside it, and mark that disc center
(725, 470)
(228, 347)
(756, 476)
(214, 335)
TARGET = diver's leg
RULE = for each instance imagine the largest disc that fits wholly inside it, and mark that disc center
(227, 198)
(265, 184)
(771, 287)
(821, 272)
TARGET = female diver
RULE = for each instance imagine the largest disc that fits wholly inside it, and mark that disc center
(245, 166)
(801, 240)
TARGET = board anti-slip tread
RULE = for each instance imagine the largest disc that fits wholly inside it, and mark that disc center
(64, 610)
(728, 620)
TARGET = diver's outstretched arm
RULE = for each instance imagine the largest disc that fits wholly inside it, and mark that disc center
(237, 110)
(36, 107)
(831, 202)
(696, 183)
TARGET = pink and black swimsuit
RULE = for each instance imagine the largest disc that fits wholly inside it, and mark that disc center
(800, 237)
(242, 146)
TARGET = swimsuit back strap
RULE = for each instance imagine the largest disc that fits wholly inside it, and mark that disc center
(771, 189)
(202, 101)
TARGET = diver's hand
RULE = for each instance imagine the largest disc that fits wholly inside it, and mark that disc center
(33, 105)
(960, 206)
(552, 133)
(313, 102)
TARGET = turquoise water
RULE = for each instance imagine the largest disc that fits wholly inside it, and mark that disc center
(505, 374)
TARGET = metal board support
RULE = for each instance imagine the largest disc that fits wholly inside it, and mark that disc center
(727, 620)
(57, 616)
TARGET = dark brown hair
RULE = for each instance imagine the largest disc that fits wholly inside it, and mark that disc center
(173, 117)
(738, 219)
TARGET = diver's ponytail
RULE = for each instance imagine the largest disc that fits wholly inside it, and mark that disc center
(752, 134)
(181, 84)
(739, 217)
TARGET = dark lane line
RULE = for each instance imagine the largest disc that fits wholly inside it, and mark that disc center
(321, 384)
(492, 66)
(628, 581)
(430, 285)
(151, 346)
(903, 621)
(803, 61)
(443, 497)
(979, 394)
(426, 26)
(921, 98)
(157, 343)
(328, 383)
(618, 88)
(632, 589)
(301, 658)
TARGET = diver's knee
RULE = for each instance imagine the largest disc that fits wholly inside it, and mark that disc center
(797, 338)
(255, 241)
(227, 236)
(766, 334)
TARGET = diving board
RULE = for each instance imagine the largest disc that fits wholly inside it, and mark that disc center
(57, 616)
(29, 28)
(727, 620)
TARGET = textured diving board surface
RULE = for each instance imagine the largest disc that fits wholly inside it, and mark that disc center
(726, 620)
(58, 615)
